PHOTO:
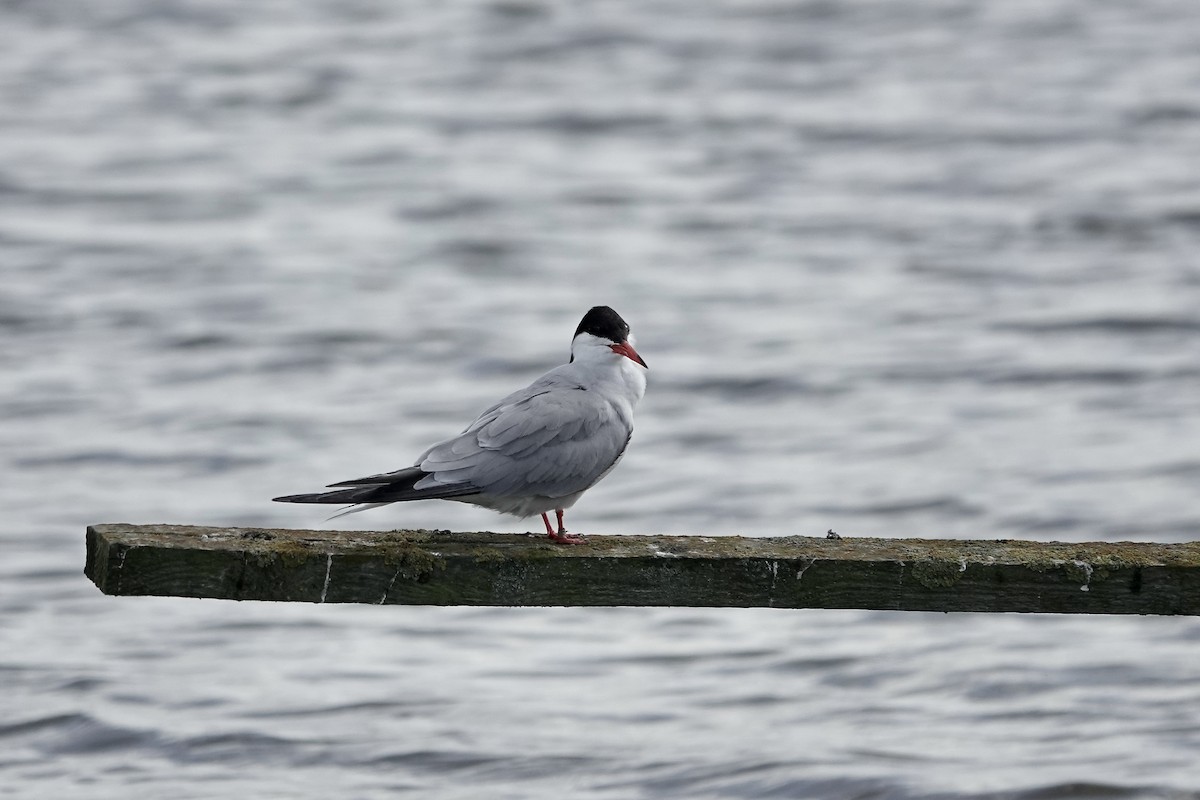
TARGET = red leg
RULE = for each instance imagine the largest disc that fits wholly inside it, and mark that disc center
(562, 537)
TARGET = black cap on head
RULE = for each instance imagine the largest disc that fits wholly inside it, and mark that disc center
(602, 321)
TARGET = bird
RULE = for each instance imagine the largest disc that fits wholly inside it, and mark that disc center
(537, 450)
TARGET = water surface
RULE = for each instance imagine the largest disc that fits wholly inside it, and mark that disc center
(923, 269)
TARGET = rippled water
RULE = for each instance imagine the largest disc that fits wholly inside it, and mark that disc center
(921, 269)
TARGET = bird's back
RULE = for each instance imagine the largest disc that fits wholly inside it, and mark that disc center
(554, 438)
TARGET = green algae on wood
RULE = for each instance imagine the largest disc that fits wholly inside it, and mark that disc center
(423, 567)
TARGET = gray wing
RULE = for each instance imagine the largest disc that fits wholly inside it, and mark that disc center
(547, 440)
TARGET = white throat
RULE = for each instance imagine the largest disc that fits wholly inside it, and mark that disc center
(593, 358)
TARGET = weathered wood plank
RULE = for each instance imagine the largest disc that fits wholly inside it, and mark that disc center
(490, 569)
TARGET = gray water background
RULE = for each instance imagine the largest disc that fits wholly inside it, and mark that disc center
(899, 269)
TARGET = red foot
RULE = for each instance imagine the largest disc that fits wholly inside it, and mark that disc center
(561, 536)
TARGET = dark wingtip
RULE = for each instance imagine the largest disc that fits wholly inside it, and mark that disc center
(321, 497)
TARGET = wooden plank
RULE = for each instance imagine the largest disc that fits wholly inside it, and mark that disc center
(491, 569)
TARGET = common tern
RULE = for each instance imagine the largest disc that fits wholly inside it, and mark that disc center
(537, 450)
